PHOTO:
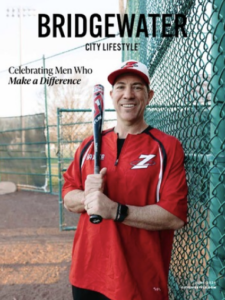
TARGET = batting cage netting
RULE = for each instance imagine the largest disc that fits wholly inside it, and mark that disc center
(187, 76)
(22, 151)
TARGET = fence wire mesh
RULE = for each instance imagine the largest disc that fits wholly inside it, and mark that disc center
(22, 151)
(74, 125)
(187, 76)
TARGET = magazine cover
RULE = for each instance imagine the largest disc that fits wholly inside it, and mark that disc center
(112, 150)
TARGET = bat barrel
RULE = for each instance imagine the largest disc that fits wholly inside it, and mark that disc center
(97, 129)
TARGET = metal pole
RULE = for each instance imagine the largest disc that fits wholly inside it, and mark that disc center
(21, 86)
(47, 128)
(143, 40)
(217, 164)
(21, 98)
(130, 39)
(59, 172)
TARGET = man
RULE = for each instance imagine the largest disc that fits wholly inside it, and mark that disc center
(140, 194)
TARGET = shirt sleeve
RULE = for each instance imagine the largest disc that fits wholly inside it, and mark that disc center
(173, 194)
(72, 176)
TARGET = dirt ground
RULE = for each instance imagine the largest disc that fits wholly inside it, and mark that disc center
(34, 255)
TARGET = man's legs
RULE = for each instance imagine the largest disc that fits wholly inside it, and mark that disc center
(83, 294)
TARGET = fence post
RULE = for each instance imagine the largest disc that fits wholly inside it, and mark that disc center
(143, 39)
(47, 128)
(59, 170)
(217, 163)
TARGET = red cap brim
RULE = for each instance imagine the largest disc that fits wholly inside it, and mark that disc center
(112, 77)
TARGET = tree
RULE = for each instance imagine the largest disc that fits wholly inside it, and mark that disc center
(75, 126)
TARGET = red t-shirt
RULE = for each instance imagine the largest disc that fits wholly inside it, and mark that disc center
(120, 261)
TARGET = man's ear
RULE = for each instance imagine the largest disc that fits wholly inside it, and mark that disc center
(150, 95)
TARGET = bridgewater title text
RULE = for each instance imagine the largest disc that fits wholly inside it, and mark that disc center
(79, 25)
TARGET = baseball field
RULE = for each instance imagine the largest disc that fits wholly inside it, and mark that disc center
(34, 254)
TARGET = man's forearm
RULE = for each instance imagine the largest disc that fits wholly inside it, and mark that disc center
(152, 217)
(73, 201)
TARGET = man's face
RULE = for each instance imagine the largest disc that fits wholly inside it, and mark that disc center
(130, 97)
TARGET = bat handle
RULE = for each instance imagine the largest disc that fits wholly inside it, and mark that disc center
(95, 219)
(96, 169)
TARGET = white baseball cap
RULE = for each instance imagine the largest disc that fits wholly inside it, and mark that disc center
(130, 66)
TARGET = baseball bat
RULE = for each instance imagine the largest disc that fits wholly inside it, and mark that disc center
(98, 111)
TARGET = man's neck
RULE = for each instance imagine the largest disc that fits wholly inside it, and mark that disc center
(125, 129)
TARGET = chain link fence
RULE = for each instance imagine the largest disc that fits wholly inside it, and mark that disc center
(23, 158)
(187, 76)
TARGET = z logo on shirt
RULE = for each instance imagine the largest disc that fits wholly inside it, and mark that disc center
(144, 163)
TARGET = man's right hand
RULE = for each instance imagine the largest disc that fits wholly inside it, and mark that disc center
(95, 182)
(74, 200)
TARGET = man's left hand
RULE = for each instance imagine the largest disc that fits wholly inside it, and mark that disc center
(97, 203)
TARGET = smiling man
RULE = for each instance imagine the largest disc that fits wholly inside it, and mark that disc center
(140, 193)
